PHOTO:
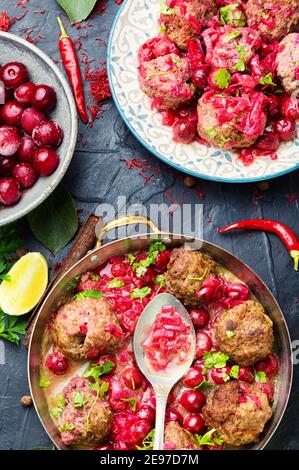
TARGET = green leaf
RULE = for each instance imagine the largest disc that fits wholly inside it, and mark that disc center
(267, 80)
(261, 377)
(227, 17)
(212, 132)
(208, 439)
(95, 371)
(79, 400)
(215, 359)
(148, 441)
(11, 328)
(233, 35)
(66, 427)
(234, 372)
(222, 77)
(44, 382)
(55, 222)
(160, 280)
(240, 65)
(165, 9)
(204, 385)
(116, 283)
(101, 388)
(89, 293)
(230, 334)
(141, 293)
(133, 401)
(77, 10)
(155, 248)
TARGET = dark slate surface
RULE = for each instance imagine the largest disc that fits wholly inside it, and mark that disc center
(98, 174)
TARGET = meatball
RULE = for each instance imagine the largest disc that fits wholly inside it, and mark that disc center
(238, 412)
(253, 336)
(221, 119)
(275, 18)
(288, 63)
(186, 272)
(86, 328)
(86, 420)
(176, 437)
(235, 47)
(185, 20)
(166, 79)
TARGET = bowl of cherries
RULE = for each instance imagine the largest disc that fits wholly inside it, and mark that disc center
(38, 127)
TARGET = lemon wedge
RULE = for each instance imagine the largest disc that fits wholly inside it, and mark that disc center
(28, 279)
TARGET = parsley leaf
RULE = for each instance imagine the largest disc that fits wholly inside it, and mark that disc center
(89, 293)
(233, 35)
(66, 427)
(95, 277)
(72, 284)
(215, 359)
(208, 439)
(204, 385)
(140, 293)
(230, 334)
(165, 9)
(148, 441)
(261, 377)
(11, 328)
(222, 77)
(240, 65)
(227, 17)
(154, 249)
(57, 410)
(101, 388)
(234, 372)
(116, 283)
(95, 371)
(212, 132)
(160, 280)
(44, 382)
(133, 401)
(267, 80)
(78, 399)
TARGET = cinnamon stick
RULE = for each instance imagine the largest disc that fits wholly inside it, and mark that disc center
(85, 241)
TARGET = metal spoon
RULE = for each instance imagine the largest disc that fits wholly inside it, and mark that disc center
(162, 382)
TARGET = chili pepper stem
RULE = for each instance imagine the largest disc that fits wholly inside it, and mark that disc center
(295, 254)
(62, 28)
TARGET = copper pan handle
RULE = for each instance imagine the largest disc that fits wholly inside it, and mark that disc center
(123, 222)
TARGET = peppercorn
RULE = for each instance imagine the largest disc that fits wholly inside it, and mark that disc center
(263, 186)
(189, 181)
(26, 400)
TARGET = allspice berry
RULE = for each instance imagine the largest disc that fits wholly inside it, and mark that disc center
(189, 181)
(26, 400)
(263, 186)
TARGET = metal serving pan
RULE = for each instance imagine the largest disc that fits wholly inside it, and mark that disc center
(59, 293)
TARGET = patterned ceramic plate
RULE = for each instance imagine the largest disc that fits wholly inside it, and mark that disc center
(135, 23)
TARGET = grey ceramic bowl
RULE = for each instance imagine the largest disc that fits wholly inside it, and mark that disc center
(42, 70)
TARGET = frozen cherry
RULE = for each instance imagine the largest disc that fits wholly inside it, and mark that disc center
(194, 423)
(47, 134)
(220, 375)
(268, 365)
(45, 161)
(9, 192)
(25, 151)
(11, 113)
(268, 141)
(192, 400)
(139, 430)
(193, 378)
(13, 74)
(9, 140)
(43, 98)
(147, 413)
(23, 93)
(246, 374)
(30, 119)
(162, 259)
(173, 414)
(203, 344)
(184, 131)
(132, 378)
(104, 359)
(57, 363)
(200, 77)
(6, 165)
(289, 107)
(286, 129)
(24, 174)
(199, 317)
(118, 269)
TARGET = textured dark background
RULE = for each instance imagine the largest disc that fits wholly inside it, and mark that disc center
(98, 174)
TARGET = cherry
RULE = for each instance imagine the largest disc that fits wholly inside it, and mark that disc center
(24, 174)
(184, 131)
(132, 378)
(148, 277)
(273, 104)
(220, 375)
(192, 400)
(203, 344)
(107, 358)
(9, 140)
(193, 378)
(43, 98)
(139, 430)
(268, 141)
(269, 366)
(30, 119)
(246, 374)
(23, 93)
(10, 192)
(57, 363)
(6, 165)
(47, 134)
(25, 151)
(147, 413)
(162, 259)
(45, 161)
(289, 107)
(199, 317)
(285, 129)
(173, 414)
(105, 447)
(267, 388)
(194, 423)
(13, 74)
(118, 269)
(11, 113)
(200, 77)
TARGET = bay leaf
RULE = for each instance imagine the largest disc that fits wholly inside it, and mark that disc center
(77, 10)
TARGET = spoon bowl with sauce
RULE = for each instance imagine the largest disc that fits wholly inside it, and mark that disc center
(164, 347)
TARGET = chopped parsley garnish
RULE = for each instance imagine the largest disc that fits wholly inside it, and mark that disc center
(72, 285)
(212, 132)
(234, 372)
(230, 334)
(260, 377)
(225, 377)
(215, 359)
(176, 60)
(222, 140)
(240, 65)
(163, 29)
(165, 9)
(267, 80)
(140, 293)
(101, 388)
(57, 410)
(155, 248)
(227, 17)
(204, 385)
(160, 280)
(233, 35)
(222, 77)
(95, 277)
(209, 438)
(89, 293)
(44, 382)
(265, 16)
(66, 427)
(133, 401)
(116, 283)
(95, 371)
(79, 400)
(148, 441)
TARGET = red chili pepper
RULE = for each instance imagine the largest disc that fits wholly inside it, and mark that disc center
(72, 67)
(285, 233)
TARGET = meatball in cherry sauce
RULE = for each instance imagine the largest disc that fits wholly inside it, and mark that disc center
(28, 136)
(127, 283)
